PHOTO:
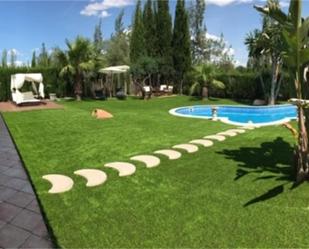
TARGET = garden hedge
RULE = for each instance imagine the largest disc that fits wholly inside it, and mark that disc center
(239, 85)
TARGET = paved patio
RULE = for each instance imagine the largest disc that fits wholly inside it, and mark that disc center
(21, 221)
(11, 107)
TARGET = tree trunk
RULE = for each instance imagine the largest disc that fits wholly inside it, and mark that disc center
(301, 152)
(78, 87)
(266, 95)
(204, 92)
(302, 166)
(274, 81)
(181, 86)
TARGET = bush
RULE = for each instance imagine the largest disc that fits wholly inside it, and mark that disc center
(247, 85)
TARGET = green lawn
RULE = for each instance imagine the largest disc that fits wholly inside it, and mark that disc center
(234, 194)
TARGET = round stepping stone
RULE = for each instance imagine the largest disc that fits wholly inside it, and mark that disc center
(204, 142)
(60, 183)
(227, 133)
(150, 161)
(124, 169)
(237, 130)
(190, 148)
(247, 127)
(216, 137)
(94, 177)
(171, 154)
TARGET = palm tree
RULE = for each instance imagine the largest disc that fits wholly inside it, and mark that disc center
(204, 78)
(265, 48)
(295, 54)
(76, 61)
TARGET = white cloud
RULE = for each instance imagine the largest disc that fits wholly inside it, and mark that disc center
(283, 3)
(19, 63)
(101, 8)
(104, 13)
(227, 2)
(229, 51)
(212, 37)
(14, 51)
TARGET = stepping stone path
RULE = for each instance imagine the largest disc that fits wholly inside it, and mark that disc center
(216, 137)
(227, 133)
(150, 161)
(190, 148)
(204, 142)
(247, 127)
(124, 169)
(236, 130)
(60, 183)
(94, 177)
(171, 154)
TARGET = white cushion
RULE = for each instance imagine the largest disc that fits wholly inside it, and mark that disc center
(147, 88)
(163, 87)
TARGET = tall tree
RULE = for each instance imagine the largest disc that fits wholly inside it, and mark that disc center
(119, 26)
(76, 61)
(181, 43)
(295, 54)
(150, 28)
(118, 46)
(98, 37)
(33, 60)
(4, 59)
(198, 31)
(164, 39)
(12, 58)
(137, 42)
(43, 58)
(266, 46)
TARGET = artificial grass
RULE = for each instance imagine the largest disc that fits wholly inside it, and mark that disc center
(234, 194)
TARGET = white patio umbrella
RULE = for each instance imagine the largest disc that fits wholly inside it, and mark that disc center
(115, 70)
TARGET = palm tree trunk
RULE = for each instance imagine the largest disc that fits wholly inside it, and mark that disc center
(274, 81)
(302, 167)
(204, 92)
(301, 153)
(78, 87)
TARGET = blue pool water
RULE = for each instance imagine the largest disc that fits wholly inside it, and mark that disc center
(242, 115)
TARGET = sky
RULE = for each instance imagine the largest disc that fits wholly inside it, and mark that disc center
(25, 25)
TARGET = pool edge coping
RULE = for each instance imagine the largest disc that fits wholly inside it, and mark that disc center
(227, 121)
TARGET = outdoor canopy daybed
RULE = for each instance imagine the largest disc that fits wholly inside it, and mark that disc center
(17, 82)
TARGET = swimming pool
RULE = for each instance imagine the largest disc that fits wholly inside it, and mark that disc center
(241, 115)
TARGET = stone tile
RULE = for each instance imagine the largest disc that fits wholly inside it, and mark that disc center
(4, 179)
(36, 242)
(16, 183)
(2, 224)
(34, 206)
(6, 193)
(8, 162)
(8, 212)
(12, 237)
(28, 189)
(16, 172)
(21, 199)
(27, 220)
(3, 168)
(40, 230)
